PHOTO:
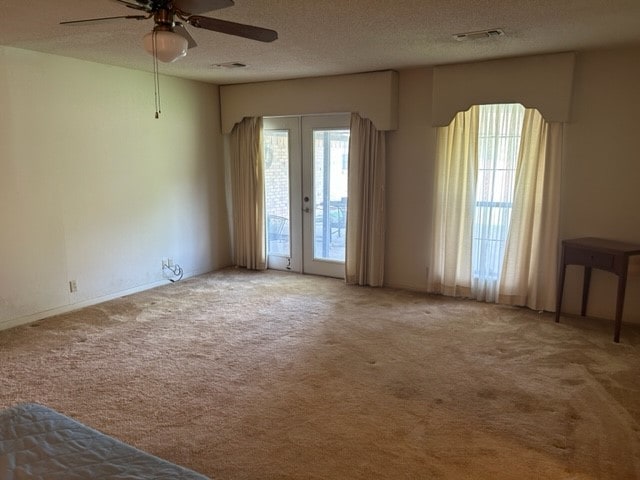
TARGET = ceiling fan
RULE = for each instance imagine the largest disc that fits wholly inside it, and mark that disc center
(169, 39)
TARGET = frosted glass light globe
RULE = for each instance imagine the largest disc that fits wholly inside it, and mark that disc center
(169, 46)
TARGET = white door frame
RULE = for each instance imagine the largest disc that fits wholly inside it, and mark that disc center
(300, 130)
(292, 126)
(327, 268)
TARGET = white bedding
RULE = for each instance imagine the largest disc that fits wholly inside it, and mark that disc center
(39, 443)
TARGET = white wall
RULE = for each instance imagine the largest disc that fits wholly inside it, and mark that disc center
(601, 175)
(410, 161)
(94, 189)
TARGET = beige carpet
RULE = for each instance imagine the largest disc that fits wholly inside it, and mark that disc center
(244, 375)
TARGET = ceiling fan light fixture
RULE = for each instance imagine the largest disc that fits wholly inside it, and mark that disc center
(169, 46)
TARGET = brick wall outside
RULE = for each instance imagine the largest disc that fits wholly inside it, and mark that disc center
(276, 145)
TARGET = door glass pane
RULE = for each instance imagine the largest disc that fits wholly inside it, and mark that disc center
(330, 174)
(276, 171)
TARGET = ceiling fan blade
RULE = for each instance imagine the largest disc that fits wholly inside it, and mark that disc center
(201, 6)
(103, 19)
(232, 28)
(180, 30)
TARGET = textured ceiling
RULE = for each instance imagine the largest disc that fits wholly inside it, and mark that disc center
(325, 37)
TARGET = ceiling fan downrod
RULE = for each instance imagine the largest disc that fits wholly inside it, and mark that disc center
(164, 16)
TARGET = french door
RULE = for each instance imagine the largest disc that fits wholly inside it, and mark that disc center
(306, 172)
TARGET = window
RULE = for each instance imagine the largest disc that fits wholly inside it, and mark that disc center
(499, 131)
(496, 211)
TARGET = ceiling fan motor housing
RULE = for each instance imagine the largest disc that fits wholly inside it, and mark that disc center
(163, 17)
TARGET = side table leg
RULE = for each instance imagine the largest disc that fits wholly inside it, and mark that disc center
(585, 290)
(560, 288)
(622, 284)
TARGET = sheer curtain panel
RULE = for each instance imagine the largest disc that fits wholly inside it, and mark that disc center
(531, 256)
(455, 198)
(499, 135)
(247, 185)
(364, 260)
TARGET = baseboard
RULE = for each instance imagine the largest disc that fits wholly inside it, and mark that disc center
(34, 317)
(407, 286)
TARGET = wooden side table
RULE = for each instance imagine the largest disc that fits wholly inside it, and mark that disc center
(608, 255)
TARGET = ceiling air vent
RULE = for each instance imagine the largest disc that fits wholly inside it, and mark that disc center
(229, 65)
(494, 32)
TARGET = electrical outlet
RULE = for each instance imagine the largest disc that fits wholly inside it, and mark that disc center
(73, 286)
(170, 262)
(165, 264)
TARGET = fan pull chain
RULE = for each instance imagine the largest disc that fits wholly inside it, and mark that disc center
(156, 79)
